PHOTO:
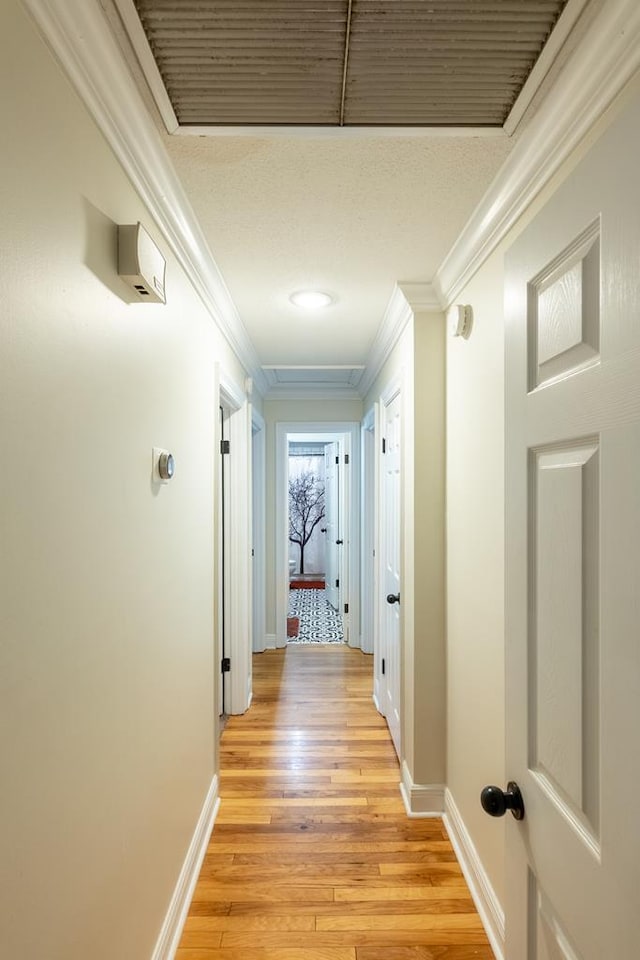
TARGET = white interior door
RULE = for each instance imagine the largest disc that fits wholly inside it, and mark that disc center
(332, 523)
(258, 531)
(369, 539)
(390, 566)
(573, 563)
(224, 521)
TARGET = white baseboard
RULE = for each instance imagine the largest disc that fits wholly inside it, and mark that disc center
(377, 694)
(484, 896)
(270, 641)
(174, 921)
(421, 799)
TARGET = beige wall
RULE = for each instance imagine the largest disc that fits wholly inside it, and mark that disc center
(475, 564)
(106, 653)
(294, 411)
(106, 629)
(428, 675)
(417, 363)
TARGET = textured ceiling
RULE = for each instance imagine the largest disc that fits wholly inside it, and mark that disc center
(346, 62)
(350, 212)
(350, 216)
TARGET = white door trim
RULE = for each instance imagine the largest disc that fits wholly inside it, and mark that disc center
(369, 525)
(392, 390)
(258, 481)
(351, 433)
(232, 398)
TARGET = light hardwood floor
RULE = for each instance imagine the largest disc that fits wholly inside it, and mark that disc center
(312, 856)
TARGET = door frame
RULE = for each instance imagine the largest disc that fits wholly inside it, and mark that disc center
(349, 432)
(334, 507)
(370, 499)
(238, 586)
(392, 390)
(258, 550)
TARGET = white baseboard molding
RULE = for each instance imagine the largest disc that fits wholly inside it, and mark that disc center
(421, 799)
(484, 896)
(377, 693)
(174, 921)
(270, 641)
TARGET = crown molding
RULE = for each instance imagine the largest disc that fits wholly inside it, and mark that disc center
(602, 63)
(395, 319)
(406, 300)
(550, 52)
(421, 297)
(335, 132)
(79, 34)
(314, 391)
(142, 49)
(271, 371)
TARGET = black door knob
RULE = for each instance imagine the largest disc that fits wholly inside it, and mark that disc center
(393, 598)
(496, 802)
(339, 542)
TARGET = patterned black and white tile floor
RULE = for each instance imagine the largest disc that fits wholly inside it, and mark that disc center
(319, 622)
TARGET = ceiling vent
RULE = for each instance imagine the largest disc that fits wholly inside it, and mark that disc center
(344, 63)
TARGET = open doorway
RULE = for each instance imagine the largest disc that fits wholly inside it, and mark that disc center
(315, 514)
(317, 565)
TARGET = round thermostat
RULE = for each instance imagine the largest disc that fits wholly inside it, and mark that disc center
(166, 466)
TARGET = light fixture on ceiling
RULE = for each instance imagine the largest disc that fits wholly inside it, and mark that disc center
(311, 299)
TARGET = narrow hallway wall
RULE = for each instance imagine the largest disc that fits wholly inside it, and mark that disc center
(417, 364)
(106, 661)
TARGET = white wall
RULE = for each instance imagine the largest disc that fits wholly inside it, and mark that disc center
(417, 363)
(475, 565)
(106, 660)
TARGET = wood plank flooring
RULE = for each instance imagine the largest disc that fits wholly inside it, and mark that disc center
(312, 856)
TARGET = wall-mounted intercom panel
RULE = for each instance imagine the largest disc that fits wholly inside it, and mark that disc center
(140, 263)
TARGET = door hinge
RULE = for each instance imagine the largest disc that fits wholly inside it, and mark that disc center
(346, 608)
(337, 583)
(337, 459)
(225, 665)
(384, 445)
(346, 458)
(225, 446)
(383, 666)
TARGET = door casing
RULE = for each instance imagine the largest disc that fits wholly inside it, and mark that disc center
(350, 432)
(389, 555)
(238, 513)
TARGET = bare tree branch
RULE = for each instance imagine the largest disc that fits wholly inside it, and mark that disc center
(306, 509)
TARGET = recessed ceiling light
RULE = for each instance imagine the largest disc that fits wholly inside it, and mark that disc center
(311, 299)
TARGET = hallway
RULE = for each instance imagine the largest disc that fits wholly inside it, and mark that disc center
(312, 856)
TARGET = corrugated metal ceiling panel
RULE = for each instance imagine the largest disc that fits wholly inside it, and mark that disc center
(364, 62)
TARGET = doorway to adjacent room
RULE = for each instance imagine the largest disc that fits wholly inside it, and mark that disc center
(317, 525)
(314, 506)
